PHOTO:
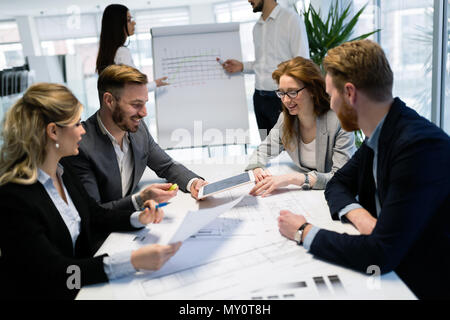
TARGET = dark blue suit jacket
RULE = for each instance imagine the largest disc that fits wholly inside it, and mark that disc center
(412, 234)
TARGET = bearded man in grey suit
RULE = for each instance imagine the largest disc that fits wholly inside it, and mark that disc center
(118, 146)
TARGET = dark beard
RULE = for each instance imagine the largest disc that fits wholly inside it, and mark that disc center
(118, 119)
(259, 7)
(348, 117)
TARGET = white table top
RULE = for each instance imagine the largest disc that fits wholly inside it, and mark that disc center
(236, 262)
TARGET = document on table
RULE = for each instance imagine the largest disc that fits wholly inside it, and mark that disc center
(196, 220)
(238, 261)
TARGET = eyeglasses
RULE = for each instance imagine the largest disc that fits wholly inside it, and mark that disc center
(291, 94)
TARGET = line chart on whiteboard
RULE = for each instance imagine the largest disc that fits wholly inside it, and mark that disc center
(192, 67)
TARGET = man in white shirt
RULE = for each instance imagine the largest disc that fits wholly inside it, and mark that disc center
(278, 35)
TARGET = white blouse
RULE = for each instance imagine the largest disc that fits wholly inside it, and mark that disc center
(308, 154)
(123, 56)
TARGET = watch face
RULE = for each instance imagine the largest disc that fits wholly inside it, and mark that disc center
(297, 236)
(306, 186)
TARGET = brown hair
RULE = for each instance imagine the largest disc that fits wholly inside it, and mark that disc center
(24, 135)
(364, 64)
(306, 71)
(113, 79)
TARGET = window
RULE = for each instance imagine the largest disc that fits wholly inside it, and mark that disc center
(140, 44)
(234, 11)
(11, 54)
(68, 34)
(407, 38)
(74, 35)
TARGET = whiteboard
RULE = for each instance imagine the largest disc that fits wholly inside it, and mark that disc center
(203, 105)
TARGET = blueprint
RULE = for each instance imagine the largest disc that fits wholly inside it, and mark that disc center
(238, 249)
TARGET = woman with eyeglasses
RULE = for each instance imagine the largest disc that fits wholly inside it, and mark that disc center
(307, 129)
(117, 26)
(47, 219)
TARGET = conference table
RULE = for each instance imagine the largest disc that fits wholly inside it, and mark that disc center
(241, 254)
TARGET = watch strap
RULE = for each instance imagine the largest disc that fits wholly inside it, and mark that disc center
(306, 185)
(300, 231)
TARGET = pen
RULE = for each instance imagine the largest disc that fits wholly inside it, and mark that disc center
(159, 205)
(162, 204)
(220, 61)
(173, 187)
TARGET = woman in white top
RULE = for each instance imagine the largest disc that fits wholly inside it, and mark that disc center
(307, 129)
(117, 26)
(47, 219)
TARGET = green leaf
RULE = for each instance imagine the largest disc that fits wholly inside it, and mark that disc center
(336, 28)
(332, 31)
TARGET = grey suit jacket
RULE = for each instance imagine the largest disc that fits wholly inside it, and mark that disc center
(97, 166)
(334, 147)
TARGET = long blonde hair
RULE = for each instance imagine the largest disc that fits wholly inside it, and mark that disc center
(24, 129)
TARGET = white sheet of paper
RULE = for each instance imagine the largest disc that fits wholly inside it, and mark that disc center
(195, 220)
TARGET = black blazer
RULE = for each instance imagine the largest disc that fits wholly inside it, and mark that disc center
(97, 167)
(36, 246)
(412, 234)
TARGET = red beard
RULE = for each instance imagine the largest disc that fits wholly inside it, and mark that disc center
(348, 117)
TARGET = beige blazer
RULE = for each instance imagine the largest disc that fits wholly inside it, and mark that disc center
(334, 147)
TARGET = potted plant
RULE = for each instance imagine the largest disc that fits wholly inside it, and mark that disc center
(336, 29)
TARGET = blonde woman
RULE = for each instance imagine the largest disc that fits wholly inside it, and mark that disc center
(46, 217)
(307, 129)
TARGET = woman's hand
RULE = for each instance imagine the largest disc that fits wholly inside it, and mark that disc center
(260, 174)
(160, 82)
(269, 184)
(153, 256)
(150, 214)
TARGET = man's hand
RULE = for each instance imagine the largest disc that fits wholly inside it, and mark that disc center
(160, 82)
(153, 256)
(288, 223)
(159, 192)
(233, 66)
(150, 214)
(195, 187)
(362, 220)
(269, 184)
(260, 174)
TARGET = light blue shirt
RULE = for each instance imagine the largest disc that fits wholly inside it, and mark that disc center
(372, 143)
(67, 210)
(116, 265)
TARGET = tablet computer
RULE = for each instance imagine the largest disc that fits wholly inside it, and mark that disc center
(226, 184)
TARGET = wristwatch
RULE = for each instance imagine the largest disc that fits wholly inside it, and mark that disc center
(306, 185)
(139, 201)
(299, 234)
